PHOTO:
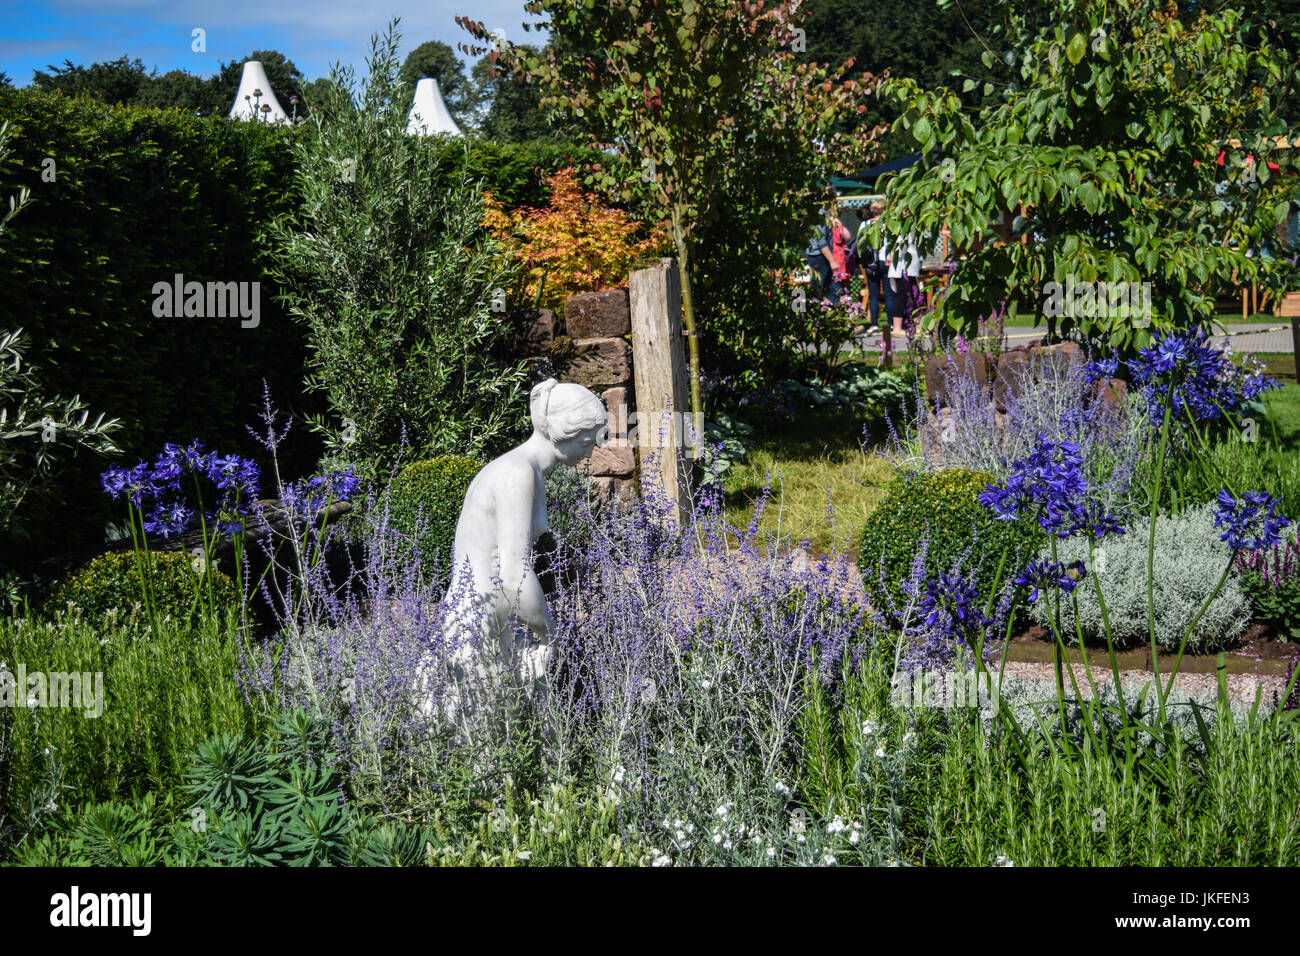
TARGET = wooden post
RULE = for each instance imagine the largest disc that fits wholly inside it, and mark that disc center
(1295, 344)
(663, 403)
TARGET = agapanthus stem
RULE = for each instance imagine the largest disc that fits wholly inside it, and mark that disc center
(1156, 482)
(1110, 644)
(1188, 632)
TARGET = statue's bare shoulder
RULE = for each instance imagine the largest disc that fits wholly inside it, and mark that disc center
(510, 476)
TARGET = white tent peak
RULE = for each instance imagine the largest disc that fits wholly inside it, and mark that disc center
(255, 78)
(429, 114)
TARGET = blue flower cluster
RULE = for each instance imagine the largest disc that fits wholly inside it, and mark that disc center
(1101, 369)
(164, 484)
(1050, 485)
(1180, 371)
(1043, 573)
(951, 605)
(1251, 522)
(318, 492)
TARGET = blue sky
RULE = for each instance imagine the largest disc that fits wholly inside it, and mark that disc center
(312, 35)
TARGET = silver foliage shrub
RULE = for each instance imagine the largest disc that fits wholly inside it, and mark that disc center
(1189, 560)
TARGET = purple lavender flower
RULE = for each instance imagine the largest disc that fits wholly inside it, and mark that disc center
(1252, 522)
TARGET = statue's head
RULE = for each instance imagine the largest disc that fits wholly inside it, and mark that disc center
(569, 416)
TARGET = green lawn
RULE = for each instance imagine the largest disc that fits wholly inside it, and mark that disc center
(807, 460)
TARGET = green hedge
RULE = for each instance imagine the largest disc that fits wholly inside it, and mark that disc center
(424, 504)
(140, 195)
(111, 582)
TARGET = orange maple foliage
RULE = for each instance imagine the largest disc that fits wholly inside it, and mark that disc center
(573, 245)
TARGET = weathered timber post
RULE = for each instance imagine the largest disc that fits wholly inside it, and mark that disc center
(663, 418)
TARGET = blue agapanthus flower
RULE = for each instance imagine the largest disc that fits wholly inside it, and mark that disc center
(1101, 369)
(951, 605)
(1182, 373)
(1249, 522)
(317, 492)
(169, 519)
(1044, 574)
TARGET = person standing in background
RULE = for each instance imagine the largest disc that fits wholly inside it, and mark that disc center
(903, 265)
(839, 253)
(872, 267)
(819, 259)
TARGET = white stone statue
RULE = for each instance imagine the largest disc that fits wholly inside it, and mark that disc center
(503, 515)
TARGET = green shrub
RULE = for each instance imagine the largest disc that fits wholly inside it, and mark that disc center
(1189, 560)
(162, 693)
(394, 279)
(111, 582)
(942, 509)
(424, 504)
(1277, 605)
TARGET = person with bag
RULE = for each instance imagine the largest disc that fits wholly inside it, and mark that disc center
(870, 265)
(903, 269)
(818, 255)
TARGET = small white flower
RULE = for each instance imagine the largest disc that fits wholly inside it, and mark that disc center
(723, 810)
(706, 684)
(680, 834)
(782, 790)
(1004, 861)
(771, 853)
(801, 839)
(908, 738)
(717, 837)
(836, 826)
(524, 855)
(880, 752)
(828, 859)
(726, 845)
(854, 836)
(661, 859)
(892, 863)
(868, 728)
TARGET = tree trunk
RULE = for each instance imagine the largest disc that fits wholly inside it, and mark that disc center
(688, 313)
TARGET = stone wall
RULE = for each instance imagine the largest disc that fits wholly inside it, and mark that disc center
(595, 352)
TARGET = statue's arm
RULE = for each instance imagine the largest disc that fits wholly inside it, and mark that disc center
(514, 528)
